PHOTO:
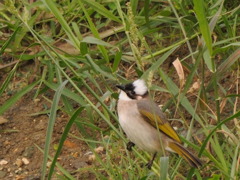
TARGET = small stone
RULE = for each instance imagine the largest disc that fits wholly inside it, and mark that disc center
(36, 100)
(88, 153)
(55, 80)
(25, 161)
(91, 157)
(49, 163)
(99, 149)
(18, 171)
(3, 162)
(19, 162)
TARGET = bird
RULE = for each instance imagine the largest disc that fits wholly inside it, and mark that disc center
(146, 126)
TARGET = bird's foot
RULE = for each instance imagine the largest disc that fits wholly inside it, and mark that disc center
(149, 164)
(130, 145)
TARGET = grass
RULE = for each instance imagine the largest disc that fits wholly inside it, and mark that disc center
(109, 42)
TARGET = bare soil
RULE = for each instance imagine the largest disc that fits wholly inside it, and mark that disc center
(23, 132)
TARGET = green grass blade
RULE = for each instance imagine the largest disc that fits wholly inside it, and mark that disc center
(53, 8)
(63, 138)
(215, 129)
(234, 170)
(172, 87)
(146, 10)
(102, 10)
(203, 24)
(158, 63)
(219, 153)
(66, 92)
(164, 168)
(215, 18)
(16, 97)
(94, 31)
(6, 43)
(117, 60)
(51, 122)
(8, 79)
(229, 61)
(93, 40)
(98, 69)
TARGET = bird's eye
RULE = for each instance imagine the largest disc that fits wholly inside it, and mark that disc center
(131, 94)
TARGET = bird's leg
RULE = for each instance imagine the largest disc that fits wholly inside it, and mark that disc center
(130, 145)
(150, 163)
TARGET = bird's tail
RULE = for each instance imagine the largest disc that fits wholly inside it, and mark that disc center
(186, 154)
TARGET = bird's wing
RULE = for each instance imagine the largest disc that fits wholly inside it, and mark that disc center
(154, 116)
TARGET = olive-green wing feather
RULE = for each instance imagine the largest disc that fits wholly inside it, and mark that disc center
(154, 116)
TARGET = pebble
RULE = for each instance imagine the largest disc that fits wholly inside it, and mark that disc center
(36, 100)
(18, 171)
(25, 161)
(19, 162)
(49, 163)
(3, 162)
(91, 157)
(99, 149)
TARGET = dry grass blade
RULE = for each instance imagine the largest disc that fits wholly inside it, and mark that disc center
(229, 62)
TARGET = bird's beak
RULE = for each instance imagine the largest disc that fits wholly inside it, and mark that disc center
(122, 87)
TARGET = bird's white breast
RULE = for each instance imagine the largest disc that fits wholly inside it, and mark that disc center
(140, 132)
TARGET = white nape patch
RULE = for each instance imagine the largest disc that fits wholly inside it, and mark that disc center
(124, 96)
(140, 87)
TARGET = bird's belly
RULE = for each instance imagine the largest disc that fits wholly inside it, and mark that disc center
(141, 133)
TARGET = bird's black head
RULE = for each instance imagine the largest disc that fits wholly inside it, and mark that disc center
(135, 90)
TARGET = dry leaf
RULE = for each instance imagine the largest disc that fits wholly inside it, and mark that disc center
(178, 66)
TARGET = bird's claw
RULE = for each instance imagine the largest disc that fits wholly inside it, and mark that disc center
(130, 145)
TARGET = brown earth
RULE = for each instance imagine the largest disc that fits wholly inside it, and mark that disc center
(23, 133)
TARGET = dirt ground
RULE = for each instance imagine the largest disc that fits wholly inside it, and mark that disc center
(22, 133)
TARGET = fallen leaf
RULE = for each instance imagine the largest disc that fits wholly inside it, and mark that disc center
(178, 66)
